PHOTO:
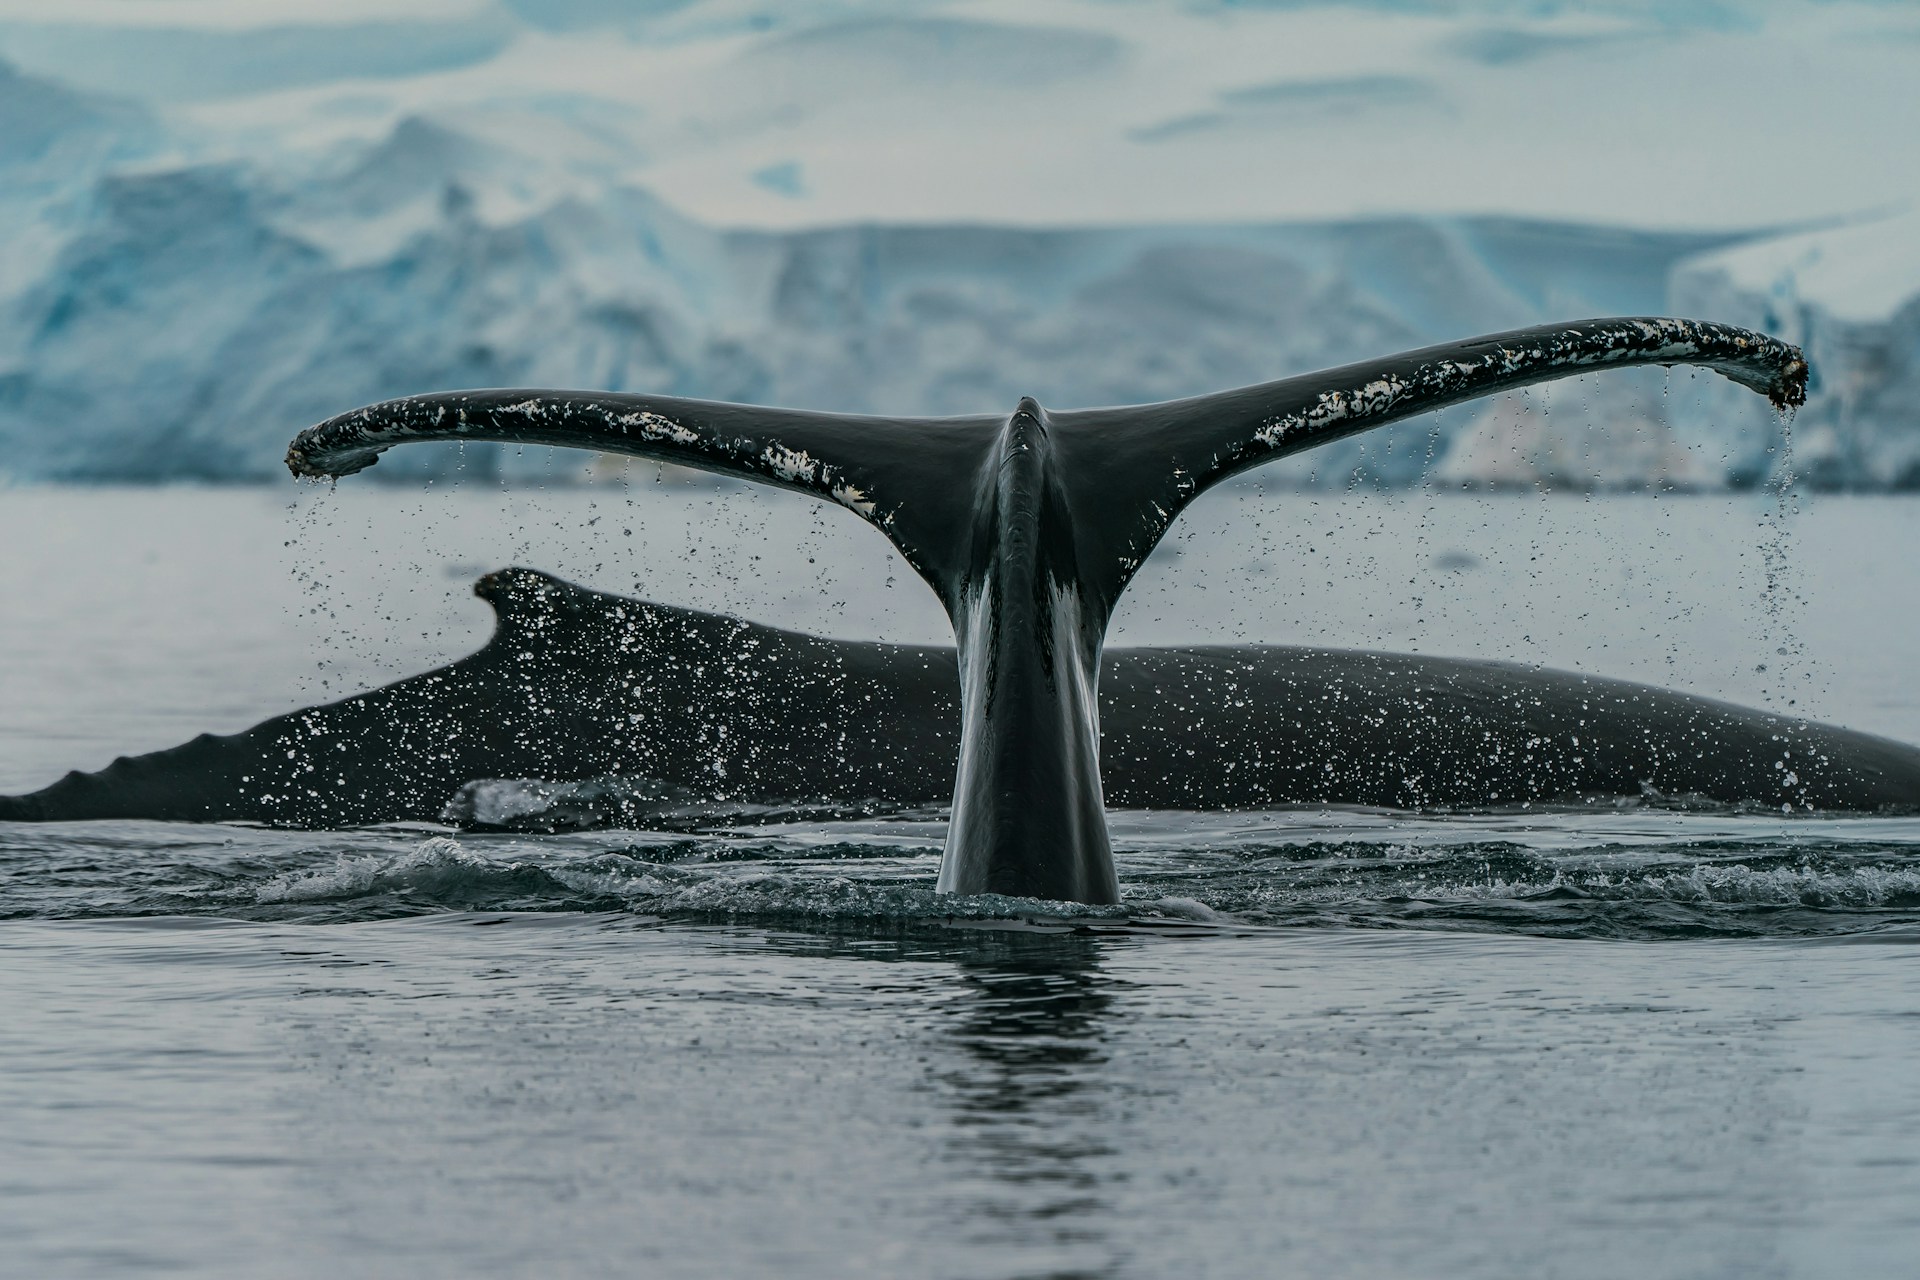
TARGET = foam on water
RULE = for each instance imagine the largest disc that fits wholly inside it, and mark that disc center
(1646, 874)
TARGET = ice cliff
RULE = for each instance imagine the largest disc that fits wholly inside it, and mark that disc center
(319, 216)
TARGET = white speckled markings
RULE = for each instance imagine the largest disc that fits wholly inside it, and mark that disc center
(1656, 340)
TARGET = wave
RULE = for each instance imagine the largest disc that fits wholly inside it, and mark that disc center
(1650, 876)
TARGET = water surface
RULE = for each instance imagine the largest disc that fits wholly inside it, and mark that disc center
(1625, 1040)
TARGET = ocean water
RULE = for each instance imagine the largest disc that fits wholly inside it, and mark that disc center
(1317, 1042)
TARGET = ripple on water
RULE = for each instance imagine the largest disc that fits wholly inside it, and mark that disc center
(1633, 875)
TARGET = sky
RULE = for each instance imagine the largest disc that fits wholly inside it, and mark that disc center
(1058, 112)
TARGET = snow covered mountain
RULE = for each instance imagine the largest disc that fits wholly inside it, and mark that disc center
(1850, 295)
(839, 206)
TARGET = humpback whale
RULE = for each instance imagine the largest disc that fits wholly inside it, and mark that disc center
(1029, 526)
(699, 720)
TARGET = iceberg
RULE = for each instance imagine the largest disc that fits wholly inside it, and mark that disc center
(842, 207)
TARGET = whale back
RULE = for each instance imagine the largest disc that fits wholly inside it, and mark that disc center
(579, 685)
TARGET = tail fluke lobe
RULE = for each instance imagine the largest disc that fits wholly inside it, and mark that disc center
(898, 474)
(1144, 463)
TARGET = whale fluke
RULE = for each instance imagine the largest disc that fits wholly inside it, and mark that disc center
(1029, 527)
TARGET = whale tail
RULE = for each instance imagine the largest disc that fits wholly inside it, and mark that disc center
(1029, 527)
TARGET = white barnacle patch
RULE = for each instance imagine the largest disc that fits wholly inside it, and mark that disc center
(673, 431)
(853, 499)
(655, 427)
(790, 464)
(1669, 339)
(1275, 433)
(1378, 396)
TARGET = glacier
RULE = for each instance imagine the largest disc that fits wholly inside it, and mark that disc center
(192, 268)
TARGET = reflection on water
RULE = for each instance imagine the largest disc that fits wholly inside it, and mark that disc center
(591, 1095)
(1028, 1097)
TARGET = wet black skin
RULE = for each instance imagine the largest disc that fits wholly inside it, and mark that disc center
(1028, 528)
(575, 685)
(1029, 638)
